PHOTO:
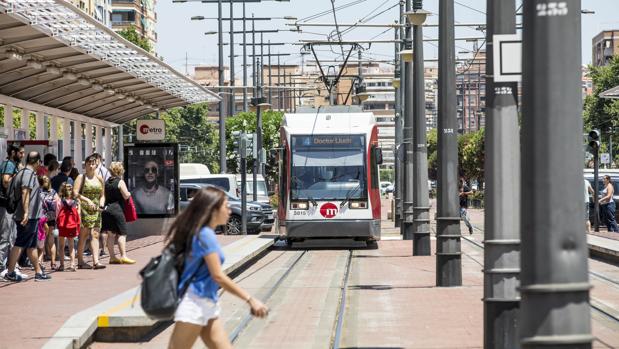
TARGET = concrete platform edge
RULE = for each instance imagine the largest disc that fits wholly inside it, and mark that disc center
(123, 310)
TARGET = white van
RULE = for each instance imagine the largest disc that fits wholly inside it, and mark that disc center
(191, 170)
(263, 194)
(225, 181)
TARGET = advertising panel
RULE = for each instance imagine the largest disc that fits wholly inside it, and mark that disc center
(152, 176)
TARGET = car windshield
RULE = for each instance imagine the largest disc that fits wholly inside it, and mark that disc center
(330, 167)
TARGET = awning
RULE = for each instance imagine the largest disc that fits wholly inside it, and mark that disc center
(54, 55)
(613, 93)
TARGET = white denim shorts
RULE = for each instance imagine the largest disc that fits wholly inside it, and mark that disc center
(196, 310)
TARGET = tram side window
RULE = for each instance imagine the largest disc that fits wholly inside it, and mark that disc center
(373, 169)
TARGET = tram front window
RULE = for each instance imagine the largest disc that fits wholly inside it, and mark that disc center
(328, 168)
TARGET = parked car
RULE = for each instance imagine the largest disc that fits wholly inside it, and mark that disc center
(255, 211)
(386, 187)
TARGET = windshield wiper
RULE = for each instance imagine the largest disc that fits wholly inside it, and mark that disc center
(349, 194)
(311, 199)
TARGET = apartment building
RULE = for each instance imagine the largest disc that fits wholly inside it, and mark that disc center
(100, 10)
(137, 13)
(605, 45)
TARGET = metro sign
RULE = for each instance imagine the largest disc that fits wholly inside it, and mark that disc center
(329, 210)
(150, 130)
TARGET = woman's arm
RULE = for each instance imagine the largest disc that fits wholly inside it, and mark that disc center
(76, 190)
(122, 186)
(102, 198)
(609, 193)
(214, 268)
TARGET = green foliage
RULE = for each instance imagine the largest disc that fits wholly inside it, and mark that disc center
(132, 35)
(246, 122)
(470, 155)
(432, 144)
(386, 174)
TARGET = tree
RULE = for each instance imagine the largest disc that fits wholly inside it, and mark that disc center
(601, 113)
(432, 144)
(132, 35)
(472, 156)
(246, 122)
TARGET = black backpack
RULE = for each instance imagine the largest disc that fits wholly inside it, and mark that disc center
(4, 192)
(160, 278)
(14, 194)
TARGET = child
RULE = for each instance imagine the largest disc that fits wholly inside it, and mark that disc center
(68, 223)
(47, 223)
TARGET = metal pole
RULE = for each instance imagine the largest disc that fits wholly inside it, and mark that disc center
(610, 147)
(407, 140)
(448, 256)
(222, 121)
(554, 304)
(279, 91)
(243, 151)
(232, 75)
(253, 56)
(502, 192)
(257, 164)
(270, 74)
(421, 198)
(399, 130)
(397, 125)
(245, 103)
(596, 178)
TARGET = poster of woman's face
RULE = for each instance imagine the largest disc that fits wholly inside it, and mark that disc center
(152, 178)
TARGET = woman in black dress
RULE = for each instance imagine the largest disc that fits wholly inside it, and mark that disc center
(113, 217)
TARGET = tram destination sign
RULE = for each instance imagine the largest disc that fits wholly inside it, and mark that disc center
(328, 140)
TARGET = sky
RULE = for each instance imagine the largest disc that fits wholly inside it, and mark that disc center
(182, 43)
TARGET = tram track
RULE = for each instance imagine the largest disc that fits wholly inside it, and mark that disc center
(595, 304)
(341, 312)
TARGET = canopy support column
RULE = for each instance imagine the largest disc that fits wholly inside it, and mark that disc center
(88, 132)
(66, 138)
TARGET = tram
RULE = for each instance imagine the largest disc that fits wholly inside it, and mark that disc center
(329, 178)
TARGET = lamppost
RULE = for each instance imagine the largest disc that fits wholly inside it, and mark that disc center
(448, 255)
(406, 226)
(554, 306)
(421, 200)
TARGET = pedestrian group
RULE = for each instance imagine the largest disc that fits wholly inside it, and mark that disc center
(51, 212)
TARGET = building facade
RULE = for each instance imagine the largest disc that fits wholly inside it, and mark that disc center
(137, 13)
(101, 10)
(471, 94)
(605, 45)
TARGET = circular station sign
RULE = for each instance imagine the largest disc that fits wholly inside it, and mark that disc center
(328, 210)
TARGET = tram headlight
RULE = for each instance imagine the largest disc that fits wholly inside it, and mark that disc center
(358, 204)
(300, 205)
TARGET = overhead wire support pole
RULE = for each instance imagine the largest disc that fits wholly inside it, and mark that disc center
(222, 121)
(407, 139)
(397, 125)
(232, 75)
(245, 101)
(502, 192)
(400, 124)
(448, 249)
(270, 74)
(421, 198)
(554, 306)
(253, 55)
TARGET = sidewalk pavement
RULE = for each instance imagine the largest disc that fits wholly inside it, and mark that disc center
(33, 312)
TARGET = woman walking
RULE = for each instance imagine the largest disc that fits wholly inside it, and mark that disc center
(608, 205)
(88, 189)
(113, 217)
(198, 312)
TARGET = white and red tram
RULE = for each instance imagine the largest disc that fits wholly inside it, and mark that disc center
(329, 178)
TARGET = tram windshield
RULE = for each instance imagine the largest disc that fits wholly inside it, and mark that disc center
(328, 167)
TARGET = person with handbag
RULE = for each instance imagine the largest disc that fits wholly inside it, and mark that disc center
(193, 235)
(114, 223)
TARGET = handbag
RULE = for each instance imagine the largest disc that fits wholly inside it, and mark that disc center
(160, 295)
(129, 210)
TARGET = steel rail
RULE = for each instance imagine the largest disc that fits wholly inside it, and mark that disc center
(342, 308)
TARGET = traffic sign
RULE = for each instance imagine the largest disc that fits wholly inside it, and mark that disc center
(605, 158)
(507, 49)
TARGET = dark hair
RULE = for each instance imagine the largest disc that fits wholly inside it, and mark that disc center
(44, 182)
(53, 165)
(90, 158)
(48, 157)
(97, 156)
(607, 177)
(197, 215)
(67, 158)
(66, 165)
(74, 173)
(33, 157)
(12, 148)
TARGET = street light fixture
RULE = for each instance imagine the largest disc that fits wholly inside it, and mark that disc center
(406, 55)
(417, 17)
(395, 83)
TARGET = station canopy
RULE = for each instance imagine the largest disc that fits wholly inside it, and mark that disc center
(613, 93)
(53, 54)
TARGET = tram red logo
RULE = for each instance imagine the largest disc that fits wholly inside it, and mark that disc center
(328, 210)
